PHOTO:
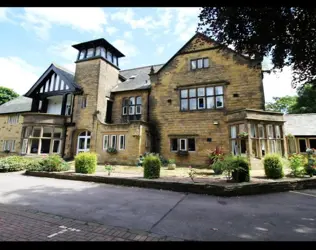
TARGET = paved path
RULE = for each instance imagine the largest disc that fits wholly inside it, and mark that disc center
(281, 216)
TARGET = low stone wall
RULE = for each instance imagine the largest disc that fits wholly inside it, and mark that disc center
(237, 189)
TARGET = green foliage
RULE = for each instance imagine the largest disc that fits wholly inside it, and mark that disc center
(192, 173)
(111, 150)
(109, 169)
(13, 163)
(273, 167)
(86, 163)
(54, 163)
(152, 166)
(171, 161)
(241, 169)
(227, 166)
(306, 100)
(297, 165)
(215, 155)
(282, 104)
(218, 167)
(35, 165)
(284, 33)
(6, 95)
(164, 161)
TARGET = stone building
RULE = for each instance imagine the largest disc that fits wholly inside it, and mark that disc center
(205, 96)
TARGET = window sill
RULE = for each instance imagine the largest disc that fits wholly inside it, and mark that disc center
(203, 110)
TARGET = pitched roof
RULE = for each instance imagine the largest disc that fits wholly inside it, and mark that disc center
(300, 124)
(64, 74)
(137, 78)
(17, 105)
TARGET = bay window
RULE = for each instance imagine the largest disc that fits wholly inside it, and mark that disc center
(132, 108)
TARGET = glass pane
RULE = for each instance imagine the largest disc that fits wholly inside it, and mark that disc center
(45, 146)
(206, 63)
(182, 144)
(81, 143)
(302, 144)
(34, 146)
(57, 82)
(103, 52)
(191, 144)
(52, 82)
(200, 63)
(234, 147)
(242, 128)
(113, 142)
(201, 91)
(219, 102)
(131, 110)
(210, 102)
(312, 143)
(270, 131)
(88, 143)
(277, 131)
(36, 132)
(56, 146)
(57, 132)
(193, 64)
(82, 54)
(272, 146)
(261, 131)
(184, 104)
(233, 132)
(88, 133)
(132, 101)
(125, 102)
(124, 111)
(192, 93)
(90, 52)
(47, 132)
(174, 144)
(138, 100)
(192, 103)
(184, 93)
(210, 91)
(201, 103)
(219, 90)
(253, 130)
(46, 86)
(122, 142)
(98, 51)
(27, 132)
(138, 110)
(109, 56)
(105, 141)
(115, 60)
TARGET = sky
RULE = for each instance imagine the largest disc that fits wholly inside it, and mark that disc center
(33, 38)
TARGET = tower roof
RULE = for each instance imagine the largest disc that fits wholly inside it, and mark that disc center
(98, 42)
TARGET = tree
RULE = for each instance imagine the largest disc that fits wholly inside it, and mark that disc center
(286, 33)
(282, 104)
(6, 95)
(306, 100)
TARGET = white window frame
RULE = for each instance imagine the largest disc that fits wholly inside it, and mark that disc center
(107, 144)
(9, 145)
(120, 145)
(185, 144)
(113, 136)
(13, 119)
(58, 150)
(24, 146)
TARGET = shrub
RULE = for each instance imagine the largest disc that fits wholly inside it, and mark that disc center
(215, 155)
(297, 165)
(109, 169)
(54, 163)
(171, 161)
(273, 167)
(227, 166)
(86, 163)
(240, 171)
(111, 150)
(152, 166)
(13, 163)
(35, 165)
(218, 167)
(164, 161)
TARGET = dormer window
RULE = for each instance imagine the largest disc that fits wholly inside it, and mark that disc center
(90, 52)
(82, 54)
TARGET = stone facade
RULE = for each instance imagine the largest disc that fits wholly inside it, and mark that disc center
(10, 132)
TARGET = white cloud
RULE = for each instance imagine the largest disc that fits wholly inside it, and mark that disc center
(128, 49)
(83, 19)
(111, 30)
(278, 84)
(64, 50)
(165, 16)
(18, 74)
(160, 50)
(70, 66)
(3, 14)
(128, 35)
(186, 22)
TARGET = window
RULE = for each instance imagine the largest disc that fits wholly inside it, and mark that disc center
(270, 131)
(98, 51)
(105, 142)
(122, 142)
(191, 144)
(302, 145)
(13, 119)
(90, 52)
(56, 146)
(24, 146)
(312, 143)
(103, 54)
(109, 56)
(9, 145)
(202, 98)
(174, 144)
(83, 101)
(113, 141)
(82, 54)
(132, 106)
(115, 60)
(183, 145)
(199, 63)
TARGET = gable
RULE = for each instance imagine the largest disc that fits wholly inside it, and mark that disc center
(54, 80)
(200, 42)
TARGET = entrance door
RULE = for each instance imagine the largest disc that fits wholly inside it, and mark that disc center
(83, 144)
